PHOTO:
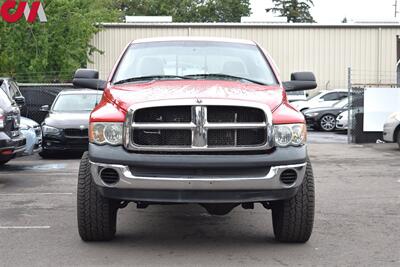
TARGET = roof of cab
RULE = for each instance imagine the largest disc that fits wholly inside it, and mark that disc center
(193, 39)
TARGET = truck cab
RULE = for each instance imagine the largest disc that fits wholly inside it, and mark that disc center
(196, 120)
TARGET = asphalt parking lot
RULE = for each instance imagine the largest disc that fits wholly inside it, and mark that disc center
(357, 219)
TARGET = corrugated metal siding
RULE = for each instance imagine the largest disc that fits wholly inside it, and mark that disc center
(326, 50)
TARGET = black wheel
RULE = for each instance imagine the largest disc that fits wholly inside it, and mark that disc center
(398, 138)
(293, 219)
(328, 123)
(4, 162)
(97, 216)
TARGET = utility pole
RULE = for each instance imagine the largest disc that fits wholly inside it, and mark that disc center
(395, 9)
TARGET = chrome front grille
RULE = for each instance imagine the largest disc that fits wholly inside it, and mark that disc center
(198, 125)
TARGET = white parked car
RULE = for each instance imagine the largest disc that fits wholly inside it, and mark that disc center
(342, 121)
(391, 129)
(297, 96)
(33, 134)
(321, 100)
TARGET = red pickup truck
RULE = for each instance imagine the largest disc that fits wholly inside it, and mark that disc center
(196, 120)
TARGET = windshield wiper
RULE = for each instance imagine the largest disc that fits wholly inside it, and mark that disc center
(221, 75)
(153, 77)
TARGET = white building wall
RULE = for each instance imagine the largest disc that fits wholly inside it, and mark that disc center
(327, 50)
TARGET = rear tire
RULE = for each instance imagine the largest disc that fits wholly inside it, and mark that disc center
(97, 215)
(293, 219)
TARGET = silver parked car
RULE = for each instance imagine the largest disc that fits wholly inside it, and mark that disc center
(342, 121)
(33, 134)
(391, 129)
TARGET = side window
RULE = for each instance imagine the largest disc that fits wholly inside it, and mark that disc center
(342, 95)
(14, 90)
(3, 86)
(331, 97)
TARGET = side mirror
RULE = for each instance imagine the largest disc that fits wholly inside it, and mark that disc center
(45, 108)
(301, 81)
(20, 100)
(87, 78)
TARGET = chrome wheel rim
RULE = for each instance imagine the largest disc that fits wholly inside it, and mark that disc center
(328, 123)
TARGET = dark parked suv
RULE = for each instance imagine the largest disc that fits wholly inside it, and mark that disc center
(12, 142)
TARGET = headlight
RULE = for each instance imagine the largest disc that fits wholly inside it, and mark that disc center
(50, 130)
(310, 115)
(24, 127)
(102, 133)
(290, 134)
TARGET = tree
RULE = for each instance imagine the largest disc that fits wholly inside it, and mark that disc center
(54, 50)
(344, 20)
(294, 10)
(187, 10)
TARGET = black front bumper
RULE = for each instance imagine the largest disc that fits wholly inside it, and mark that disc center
(183, 188)
(58, 143)
(193, 196)
(312, 122)
(16, 145)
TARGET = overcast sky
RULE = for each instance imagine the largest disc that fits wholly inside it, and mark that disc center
(333, 11)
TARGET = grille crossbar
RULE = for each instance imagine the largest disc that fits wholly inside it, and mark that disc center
(225, 134)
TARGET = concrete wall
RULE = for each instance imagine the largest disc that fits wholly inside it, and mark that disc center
(327, 50)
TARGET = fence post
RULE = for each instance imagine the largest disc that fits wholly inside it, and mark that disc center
(398, 74)
(349, 119)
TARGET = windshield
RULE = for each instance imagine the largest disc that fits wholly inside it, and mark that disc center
(188, 58)
(342, 103)
(76, 102)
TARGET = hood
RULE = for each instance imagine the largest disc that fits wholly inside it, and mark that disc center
(68, 119)
(28, 122)
(127, 95)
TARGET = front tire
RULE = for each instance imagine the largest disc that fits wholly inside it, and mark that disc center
(4, 162)
(293, 219)
(328, 123)
(398, 138)
(46, 154)
(97, 216)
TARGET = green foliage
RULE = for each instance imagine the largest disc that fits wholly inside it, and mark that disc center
(187, 10)
(294, 10)
(52, 51)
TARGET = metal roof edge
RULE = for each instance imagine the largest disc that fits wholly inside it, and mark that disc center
(252, 25)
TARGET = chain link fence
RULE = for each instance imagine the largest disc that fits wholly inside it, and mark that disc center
(358, 82)
(38, 95)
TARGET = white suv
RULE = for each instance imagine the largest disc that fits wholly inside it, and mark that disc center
(321, 100)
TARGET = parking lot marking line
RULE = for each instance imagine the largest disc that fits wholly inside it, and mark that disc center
(35, 194)
(23, 227)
